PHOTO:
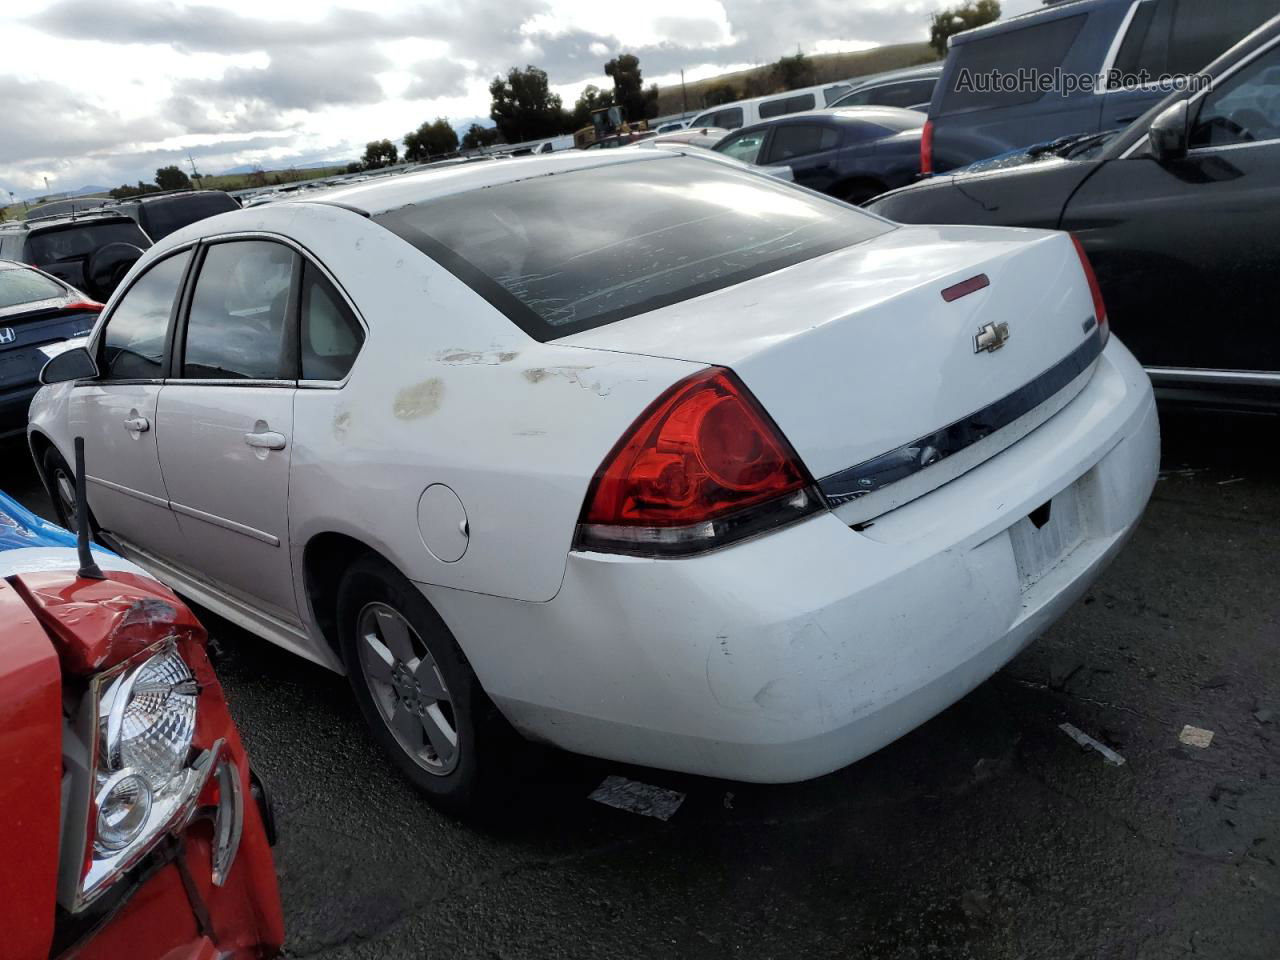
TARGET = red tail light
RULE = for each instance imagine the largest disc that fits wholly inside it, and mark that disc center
(1099, 307)
(87, 306)
(702, 467)
(926, 149)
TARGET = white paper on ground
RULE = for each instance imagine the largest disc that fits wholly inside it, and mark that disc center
(642, 798)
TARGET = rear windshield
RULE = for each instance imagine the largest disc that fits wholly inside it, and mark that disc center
(162, 216)
(78, 240)
(985, 73)
(26, 286)
(563, 253)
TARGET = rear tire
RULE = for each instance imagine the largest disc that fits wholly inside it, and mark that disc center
(419, 696)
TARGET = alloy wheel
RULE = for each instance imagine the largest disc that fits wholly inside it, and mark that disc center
(407, 688)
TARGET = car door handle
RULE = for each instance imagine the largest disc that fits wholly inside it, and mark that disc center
(267, 440)
(137, 424)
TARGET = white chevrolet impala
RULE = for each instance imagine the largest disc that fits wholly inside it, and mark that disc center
(641, 455)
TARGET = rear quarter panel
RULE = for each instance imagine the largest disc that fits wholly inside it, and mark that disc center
(447, 390)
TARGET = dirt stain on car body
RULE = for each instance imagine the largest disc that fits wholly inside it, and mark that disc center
(475, 356)
(573, 375)
(420, 400)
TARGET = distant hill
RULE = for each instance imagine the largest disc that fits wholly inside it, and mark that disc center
(251, 167)
(828, 67)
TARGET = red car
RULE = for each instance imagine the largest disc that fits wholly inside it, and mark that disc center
(134, 827)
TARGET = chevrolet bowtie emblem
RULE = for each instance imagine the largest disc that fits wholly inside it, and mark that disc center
(991, 338)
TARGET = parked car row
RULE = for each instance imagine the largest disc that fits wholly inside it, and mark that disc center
(1110, 59)
(1179, 213)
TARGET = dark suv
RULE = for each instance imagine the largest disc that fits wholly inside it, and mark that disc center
(159, 214)
(1102, 60)
(90, 251)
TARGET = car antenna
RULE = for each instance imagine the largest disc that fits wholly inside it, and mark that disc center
(89, 570)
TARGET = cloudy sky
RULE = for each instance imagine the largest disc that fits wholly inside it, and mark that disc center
(105, 91)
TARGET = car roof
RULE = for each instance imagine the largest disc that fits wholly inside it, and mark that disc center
(846, 115)
(63, 219)
(390, 193)
(1052, 11)
(897, 76)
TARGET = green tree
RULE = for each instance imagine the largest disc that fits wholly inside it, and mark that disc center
(523, 106)
(355, 166)
(720, 92)
(172, 178)
(430, 140)
(478, 136)
(380, 153)
(628, 88)
(760, 82)
(795, 71)
(591, 98)
(970, 14)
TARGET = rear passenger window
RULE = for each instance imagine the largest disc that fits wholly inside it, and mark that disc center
(1039, 48)
(730, 119)
(133, 341)
(1185, 36)
(236, 329)
(800, 139)
(331, 335)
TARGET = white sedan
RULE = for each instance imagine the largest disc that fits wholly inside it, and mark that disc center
(640, 454)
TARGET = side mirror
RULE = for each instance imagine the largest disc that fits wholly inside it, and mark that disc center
(1168, 134)
(74, 364)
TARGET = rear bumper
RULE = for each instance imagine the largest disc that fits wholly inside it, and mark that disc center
(799, 652)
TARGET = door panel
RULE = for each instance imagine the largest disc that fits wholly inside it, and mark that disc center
(225, 451)
(226, 421)
(117, 414)
(811, 150)
(126, 491)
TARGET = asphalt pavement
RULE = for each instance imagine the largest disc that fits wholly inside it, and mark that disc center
(987, 833)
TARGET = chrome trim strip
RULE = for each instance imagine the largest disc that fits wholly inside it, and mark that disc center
(1116, 42)
(230, 382)
(1208, 375)
(129, 491)
(910, 458)
(217, 521)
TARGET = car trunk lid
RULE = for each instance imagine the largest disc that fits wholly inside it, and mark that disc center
(872, 373)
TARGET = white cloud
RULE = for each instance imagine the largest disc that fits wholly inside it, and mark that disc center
(100, 90)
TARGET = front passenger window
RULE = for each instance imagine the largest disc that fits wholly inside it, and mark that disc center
(744, 147)
(236, 329)
(133, 341)
(1245, 109)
